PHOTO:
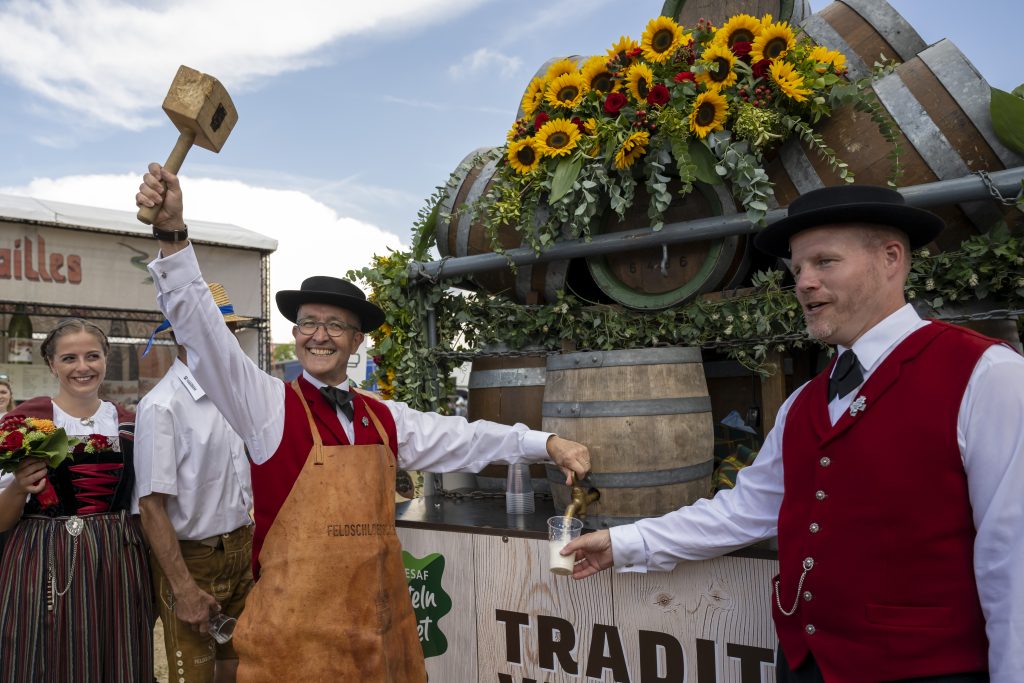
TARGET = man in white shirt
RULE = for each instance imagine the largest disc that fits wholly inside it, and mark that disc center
(331, 601)
(193, 492)
(893, 479)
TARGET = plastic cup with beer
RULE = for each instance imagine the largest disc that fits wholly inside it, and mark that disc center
(562, 530)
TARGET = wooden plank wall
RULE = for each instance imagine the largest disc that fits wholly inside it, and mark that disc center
(512, 621)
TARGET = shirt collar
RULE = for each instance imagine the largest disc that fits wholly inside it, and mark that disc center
(317, 383)
(186, 378)
(874, 343)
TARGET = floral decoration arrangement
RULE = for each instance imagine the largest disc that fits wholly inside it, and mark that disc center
(681, 105)
(32, 437)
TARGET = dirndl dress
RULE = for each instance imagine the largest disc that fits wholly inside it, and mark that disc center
(75, 597)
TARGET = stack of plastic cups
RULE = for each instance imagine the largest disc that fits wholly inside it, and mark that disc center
(519, 491)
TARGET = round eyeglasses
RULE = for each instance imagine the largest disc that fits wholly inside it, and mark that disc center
(334, 328)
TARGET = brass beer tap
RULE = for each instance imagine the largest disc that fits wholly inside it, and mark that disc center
(581, 498)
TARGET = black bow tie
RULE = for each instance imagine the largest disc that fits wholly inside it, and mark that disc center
(846, 376)
(340, 399)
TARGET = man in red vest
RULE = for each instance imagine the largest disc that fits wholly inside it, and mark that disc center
(331, 602)
(893, 479)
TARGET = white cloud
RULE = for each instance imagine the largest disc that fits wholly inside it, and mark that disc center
(313, 239)
(112, 59)
(485, 60)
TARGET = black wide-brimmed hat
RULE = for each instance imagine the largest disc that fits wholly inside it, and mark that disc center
(323, 289)
(849, 204)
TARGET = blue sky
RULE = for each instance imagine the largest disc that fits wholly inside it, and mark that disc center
(349, 113)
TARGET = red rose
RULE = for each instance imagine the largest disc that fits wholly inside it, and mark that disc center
(741, 48)
(13, 441)
(614, 102)
(99, 442)
(634, 53)
(658, 95)
(579, 124)
(684, 76)
(540, 120)
(761, 68)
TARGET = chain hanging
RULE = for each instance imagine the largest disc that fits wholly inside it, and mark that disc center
(996, 194)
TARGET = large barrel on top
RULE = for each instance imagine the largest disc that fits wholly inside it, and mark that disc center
(660, 277)
(645, 415)
(688, 12)
(508, 389)
(940, 105)
(458, 234)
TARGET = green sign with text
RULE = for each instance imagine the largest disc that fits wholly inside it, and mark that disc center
(429, 601)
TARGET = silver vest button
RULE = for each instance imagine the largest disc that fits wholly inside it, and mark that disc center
(820, 495)
(808, 563)
(810, 629)
(814, 528)
(825, 461)
(808, 595)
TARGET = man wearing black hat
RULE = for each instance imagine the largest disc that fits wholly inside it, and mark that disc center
(893, 479)
(331, 602)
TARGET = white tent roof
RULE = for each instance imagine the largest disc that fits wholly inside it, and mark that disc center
(45, 212)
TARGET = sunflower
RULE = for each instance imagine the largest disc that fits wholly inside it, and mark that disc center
(789, 81)
(823, 58)
(621, 49)
(523, 155)
(639, 79)
(740, 28)
(721, 57)
(557, 137)
(590, 125)
(597, 76)
(534, 96)
(566, 91)
(662, 37)
(562, 66)
(709, 113)
(632, 149)
(775, 41)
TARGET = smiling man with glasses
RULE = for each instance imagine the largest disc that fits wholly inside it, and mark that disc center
(331, 601)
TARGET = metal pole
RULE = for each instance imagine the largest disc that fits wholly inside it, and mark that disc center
(968, 188)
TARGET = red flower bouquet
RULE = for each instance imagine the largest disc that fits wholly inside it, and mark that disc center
(33, 437)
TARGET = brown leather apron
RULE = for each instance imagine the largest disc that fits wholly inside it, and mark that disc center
(332, 603)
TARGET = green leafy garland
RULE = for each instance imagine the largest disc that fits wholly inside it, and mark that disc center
(746, 328)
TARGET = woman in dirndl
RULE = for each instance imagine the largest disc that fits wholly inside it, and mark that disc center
(75, 602)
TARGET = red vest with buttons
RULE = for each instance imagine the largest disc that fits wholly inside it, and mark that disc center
(272, 481)
(879, 504)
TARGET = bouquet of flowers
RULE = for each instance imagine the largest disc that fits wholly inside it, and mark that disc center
(682, 105)
(32, 437)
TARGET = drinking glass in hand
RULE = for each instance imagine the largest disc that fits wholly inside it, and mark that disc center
(221, 627)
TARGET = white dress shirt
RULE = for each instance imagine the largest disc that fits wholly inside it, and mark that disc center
(184, 448)
(990, 433)
(253, 401)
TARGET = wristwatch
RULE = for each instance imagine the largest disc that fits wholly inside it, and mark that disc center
(171, 235)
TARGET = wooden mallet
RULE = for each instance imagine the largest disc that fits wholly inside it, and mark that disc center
(201, 109)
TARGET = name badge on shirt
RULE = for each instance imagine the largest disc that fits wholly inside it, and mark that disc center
(189, 382)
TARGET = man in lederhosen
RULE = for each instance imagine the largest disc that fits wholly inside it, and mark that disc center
(331, 601)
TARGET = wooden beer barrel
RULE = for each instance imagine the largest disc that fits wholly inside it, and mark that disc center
(459, 235)
(864, 31)
(940, 103)
(508, 389)
(645, 415)
(660, 277)
(688, 12)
